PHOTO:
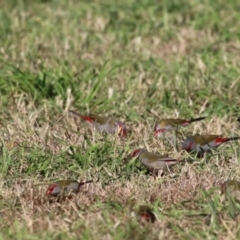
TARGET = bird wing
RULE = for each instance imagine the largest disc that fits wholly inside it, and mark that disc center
(170, 121)
(102, 119)
(204, 139)
(73, 187)
(153, 157)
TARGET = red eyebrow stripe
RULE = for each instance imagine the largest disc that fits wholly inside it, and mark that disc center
(159, 131)
(135, 152)
(88, 118)
(123, 132)
(50, 189)
(146, 215)
(189, 147)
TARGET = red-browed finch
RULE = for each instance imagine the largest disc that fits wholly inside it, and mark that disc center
(164, 125)
(104, 124)
(204, 143)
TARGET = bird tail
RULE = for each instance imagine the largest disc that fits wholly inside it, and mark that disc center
(75, 113)
(186, 160)
(83, 183)
(171, 161)
(196, 119)
(232, 139)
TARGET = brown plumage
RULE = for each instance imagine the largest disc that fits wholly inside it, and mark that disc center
(170, 124)
(103, 124)
(63, 187)
(154, 161)
(204, 143)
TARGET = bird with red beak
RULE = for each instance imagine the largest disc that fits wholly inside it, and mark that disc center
(169, 124)
(154, 161)
(63, 188)
(201, 144)
(104, 124)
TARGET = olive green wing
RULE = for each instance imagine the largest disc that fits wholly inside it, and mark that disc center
(170, 121)
(102, 119)
(204, 139)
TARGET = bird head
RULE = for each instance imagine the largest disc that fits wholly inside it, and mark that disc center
(137, 152)
(159, 132)
(145, 214)
(53, 190)
(187, 144)
(122, 130)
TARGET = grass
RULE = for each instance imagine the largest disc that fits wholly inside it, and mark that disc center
(137, 61)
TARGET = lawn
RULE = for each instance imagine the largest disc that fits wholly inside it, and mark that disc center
(135, 60)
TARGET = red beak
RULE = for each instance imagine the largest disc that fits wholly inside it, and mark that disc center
(50, 189)
(158, 131)
(122, 131)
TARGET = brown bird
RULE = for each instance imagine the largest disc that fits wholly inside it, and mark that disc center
(204, 143)
(63, 187)
(231, 188)
(154, 161)
(144, 214)
(103, 124)
(170, 124)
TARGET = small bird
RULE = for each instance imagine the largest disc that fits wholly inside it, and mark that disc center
(144, 214)
(103, 124)
(63, 187)
(170, 124)
(204, 143)
(154, 161)
(231, 188)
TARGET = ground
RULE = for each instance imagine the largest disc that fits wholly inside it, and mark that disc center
(135, 60)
